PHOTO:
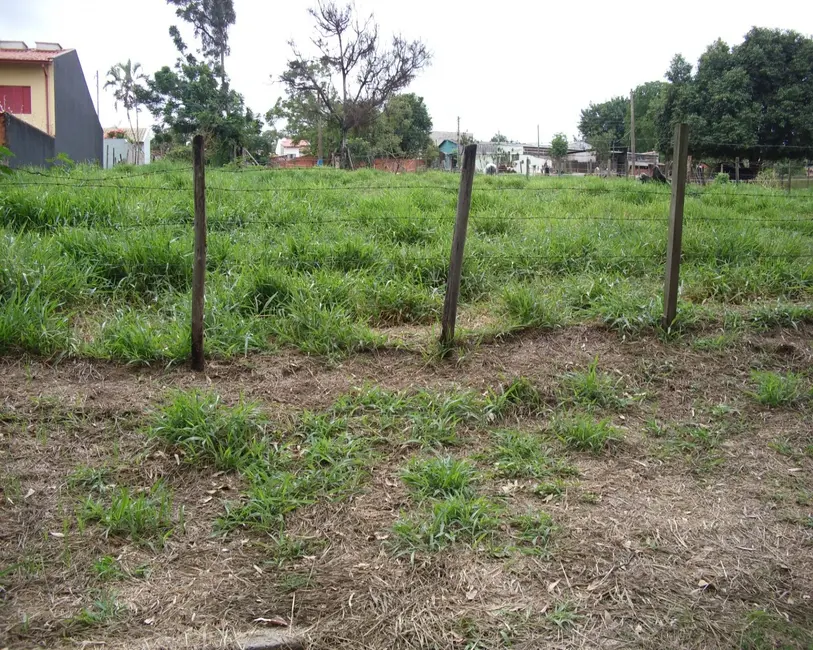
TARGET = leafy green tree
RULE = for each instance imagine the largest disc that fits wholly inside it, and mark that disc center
(752, 100)
(603, 125)
(647, 98)
(128, 83)
(190, 98)
(211, 20)
(499, 138)
(403, 128)
(558, 148)
(353, 75)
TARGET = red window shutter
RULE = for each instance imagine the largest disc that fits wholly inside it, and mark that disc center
(16, 99)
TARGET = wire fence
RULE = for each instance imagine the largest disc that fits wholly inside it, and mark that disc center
(793, 210)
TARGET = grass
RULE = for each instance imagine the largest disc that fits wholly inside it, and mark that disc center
(145, 518)
(459, 519)
(105, 610)
(105, 271)
(208, 432)
(770, 631)
(774, 389)
(523, 455)
(592, 388)
(534, 531)
(439, 477)
(581, 432)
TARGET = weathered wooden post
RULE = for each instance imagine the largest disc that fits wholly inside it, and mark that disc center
(458, 244)
(673, 250)
(199, 264)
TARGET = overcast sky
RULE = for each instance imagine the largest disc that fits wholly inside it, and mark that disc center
(505, 66)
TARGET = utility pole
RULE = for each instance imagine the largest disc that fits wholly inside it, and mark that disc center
(98, 104)
(632, 129)
(458, 138)
(320, 152)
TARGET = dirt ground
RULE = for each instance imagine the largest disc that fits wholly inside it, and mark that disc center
(659, 544)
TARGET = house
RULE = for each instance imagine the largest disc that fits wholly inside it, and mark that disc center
(501, 154)
(287, 148)
(437, 137)
(46, 104)
(126, 145)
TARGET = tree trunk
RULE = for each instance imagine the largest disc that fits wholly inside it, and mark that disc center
(345, 152)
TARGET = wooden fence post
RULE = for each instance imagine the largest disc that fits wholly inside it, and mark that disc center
(458, 244)
(199, 267)
(737, 169)
(673, 250)
(527, 168)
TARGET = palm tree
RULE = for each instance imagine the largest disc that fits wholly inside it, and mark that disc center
(125, 80)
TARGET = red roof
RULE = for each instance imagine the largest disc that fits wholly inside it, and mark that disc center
(30, 56)
(289, 144)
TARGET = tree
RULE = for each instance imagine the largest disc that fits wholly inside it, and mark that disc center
(558, 148)
(126, 80)
(753, 100)
(499, 138)
(211, 20)
(192, 98)
(403, 128)
(646, 101)
(603, 125)
(353, 76)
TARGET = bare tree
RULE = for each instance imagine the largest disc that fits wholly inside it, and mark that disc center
(353, 75)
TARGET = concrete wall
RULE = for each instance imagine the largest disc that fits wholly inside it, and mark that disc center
(116, 151)
(30, 146)
(32, 74)
(78, 131)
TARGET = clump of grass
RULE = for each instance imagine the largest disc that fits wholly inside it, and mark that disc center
(330, 464)
(768, 630)
(592, 388)
(564, 615)
(534, 531)
(107, 568)
(522, 455)
(86, 478)
(104, 611)
(459, 519)
(550, 489)
(208, 432)
(145, 518)
(439, 477)
(774, 389)
(528, 307)
(518, 395)
(33, 323)
(583, 433)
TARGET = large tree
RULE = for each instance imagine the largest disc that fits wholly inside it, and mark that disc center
(353, 74)
(752, 100)
(211, 20)
(403, 128)
(603, 125)
(128, 83)
(191, 98)
(559, 148)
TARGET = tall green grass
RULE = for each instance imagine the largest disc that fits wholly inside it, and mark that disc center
(319, 259)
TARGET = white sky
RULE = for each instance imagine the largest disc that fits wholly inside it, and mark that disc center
(508, 65)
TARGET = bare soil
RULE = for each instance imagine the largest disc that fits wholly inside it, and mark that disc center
(657, 546)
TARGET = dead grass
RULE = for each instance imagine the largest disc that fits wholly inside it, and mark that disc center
(648, 544)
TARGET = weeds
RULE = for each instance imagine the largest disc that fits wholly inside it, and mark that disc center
(104, 611)
(582, 433)
(773, 389)
(145, 518)
(523, 455)
(439, 477)
(534, 531)
(592, 388)
(459, 519)
(206, 431)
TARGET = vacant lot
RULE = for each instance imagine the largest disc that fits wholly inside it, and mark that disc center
(100, 264)
(573, 477)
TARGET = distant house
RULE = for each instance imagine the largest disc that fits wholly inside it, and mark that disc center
(46, 106)
(287, 148)
(126, 145)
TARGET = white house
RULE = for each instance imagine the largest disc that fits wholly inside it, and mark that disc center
(133, 148)
(497, 153)
(287, 148)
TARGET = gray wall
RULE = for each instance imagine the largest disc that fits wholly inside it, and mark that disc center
(78, 132)
(30, 146)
